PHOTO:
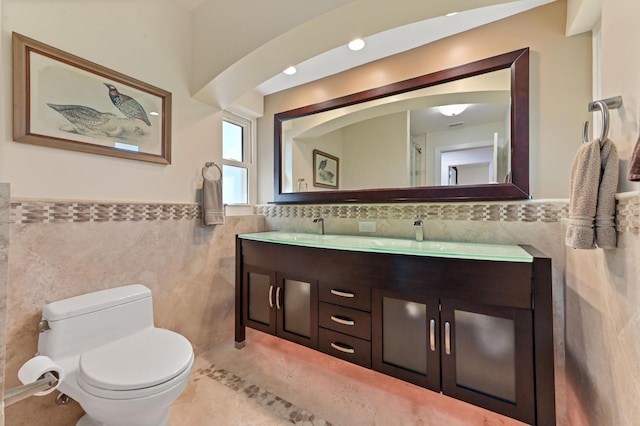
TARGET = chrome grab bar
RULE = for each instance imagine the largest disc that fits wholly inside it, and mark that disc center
(14, 395)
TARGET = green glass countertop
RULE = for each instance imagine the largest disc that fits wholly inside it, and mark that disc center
(458, 250)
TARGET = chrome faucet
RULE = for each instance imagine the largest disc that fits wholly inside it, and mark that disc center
(320, 221)
(418, 225)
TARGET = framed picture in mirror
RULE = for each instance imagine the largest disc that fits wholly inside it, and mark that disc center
(326, 170)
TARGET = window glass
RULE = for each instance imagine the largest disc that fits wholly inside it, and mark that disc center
(234, 185)
(232, 141)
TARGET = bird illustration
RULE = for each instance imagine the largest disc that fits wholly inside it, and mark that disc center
(322, 164)
(88, 121)
(82, 115)
(127, 105)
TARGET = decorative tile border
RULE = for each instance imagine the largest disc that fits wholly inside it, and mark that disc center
(628, 212)
(65, 211)
(289, 412)
(550, 211)
(30, 211)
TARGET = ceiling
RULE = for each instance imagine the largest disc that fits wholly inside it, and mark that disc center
(253, 60)
(394, 41)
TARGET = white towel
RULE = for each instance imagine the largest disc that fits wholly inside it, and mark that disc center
(606, 209)
(212, 207)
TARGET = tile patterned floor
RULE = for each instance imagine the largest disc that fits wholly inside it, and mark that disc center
(272, 382)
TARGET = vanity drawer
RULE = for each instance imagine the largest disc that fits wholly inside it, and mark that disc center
(345, 320)
(349, 295)
(345, 347)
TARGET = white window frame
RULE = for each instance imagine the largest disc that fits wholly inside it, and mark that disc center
(249, 149)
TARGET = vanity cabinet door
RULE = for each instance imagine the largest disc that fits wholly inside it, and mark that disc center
(487, 357)
(296, 303)
(281, 304)
(405, 341)
(258, 289)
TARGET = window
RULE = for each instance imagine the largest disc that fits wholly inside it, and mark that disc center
(236, 159)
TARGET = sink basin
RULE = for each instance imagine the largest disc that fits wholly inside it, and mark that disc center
(461, 250)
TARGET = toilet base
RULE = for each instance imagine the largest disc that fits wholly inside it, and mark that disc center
(88, 421)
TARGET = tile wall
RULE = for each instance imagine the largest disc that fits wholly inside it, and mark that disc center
(61, 249)
(4, 252)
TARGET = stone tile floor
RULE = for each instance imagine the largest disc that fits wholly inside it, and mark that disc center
(273, 382)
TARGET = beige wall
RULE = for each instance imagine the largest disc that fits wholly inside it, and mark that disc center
(603, 287)
(145, 39)
(55, 254)
(560, 86)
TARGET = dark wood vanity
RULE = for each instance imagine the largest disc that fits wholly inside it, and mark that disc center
(476, 330)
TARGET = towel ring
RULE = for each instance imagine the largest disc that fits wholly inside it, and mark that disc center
(603, 105)
(210, 164)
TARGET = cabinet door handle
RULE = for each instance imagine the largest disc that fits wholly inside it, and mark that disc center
(343, 321)
(342, 293)
(447, 338)
(271, 296)
(278, 297)
(343, 348)
(432, 335)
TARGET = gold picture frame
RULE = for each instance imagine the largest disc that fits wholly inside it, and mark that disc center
(66, 102)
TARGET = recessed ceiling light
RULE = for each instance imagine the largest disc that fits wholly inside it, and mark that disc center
(290, 71)
(451, 14)
(356, 44)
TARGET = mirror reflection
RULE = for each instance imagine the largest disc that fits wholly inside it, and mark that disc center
(460, 134)
(455, 133)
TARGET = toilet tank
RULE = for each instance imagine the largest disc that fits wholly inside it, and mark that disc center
(90, 320)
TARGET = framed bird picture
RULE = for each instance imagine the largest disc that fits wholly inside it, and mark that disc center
(326, 170)
(63, 101)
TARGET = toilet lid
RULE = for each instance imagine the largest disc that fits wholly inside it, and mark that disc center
(142, 360)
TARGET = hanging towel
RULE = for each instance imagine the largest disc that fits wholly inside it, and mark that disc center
(634, 164)
(606, 208)
(585, 179)
(212, 207)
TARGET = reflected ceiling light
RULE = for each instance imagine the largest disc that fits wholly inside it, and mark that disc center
(451, 14)
(356, 44)
(290, 71)
(452, 110)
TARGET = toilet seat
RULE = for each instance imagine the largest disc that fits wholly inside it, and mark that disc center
(136, 366)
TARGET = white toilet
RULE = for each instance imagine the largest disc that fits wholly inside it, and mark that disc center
(117, 365)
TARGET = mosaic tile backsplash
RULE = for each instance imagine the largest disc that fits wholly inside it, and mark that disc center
(627, 211)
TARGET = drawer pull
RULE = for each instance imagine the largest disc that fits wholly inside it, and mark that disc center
(432, 335)
(278, 297)
(447, 338)
(343, 348)
(342, 293)
(343, 321)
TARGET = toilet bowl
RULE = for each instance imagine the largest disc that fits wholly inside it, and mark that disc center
(119, 367)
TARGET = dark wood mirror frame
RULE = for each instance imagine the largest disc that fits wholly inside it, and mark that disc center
(517, 189)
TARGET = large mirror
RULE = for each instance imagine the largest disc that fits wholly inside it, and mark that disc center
(460, 134)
